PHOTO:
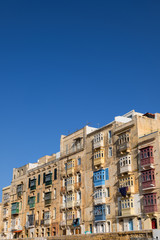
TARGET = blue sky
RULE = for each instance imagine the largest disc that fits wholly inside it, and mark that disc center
(66, 63)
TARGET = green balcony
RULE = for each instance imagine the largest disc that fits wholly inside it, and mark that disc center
(48, 179)
(31, 202)
(32, 184)
(15, 208)
(47, 198)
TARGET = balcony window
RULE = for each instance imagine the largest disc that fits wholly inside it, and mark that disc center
(48, 179)
(126, 182)
(100, 193)
(47, 198)
(150, 202)
(70, 180)
(99, 154)
(15, 208)
(127, 203)
(32, 184)
(146, 155)
(148, 178)
(31, 220)
(100, 176)
(100, 212)
(46, 215)
(98, 137)
(19, 189)
(70, 197)
(124, 138)
(31, 202)
(70, 164)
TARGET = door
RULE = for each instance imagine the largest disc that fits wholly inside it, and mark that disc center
(130, 225)
(154, 223)
(139, 224)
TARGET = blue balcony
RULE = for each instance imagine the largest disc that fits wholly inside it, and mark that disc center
(100, 212)
(100, 176)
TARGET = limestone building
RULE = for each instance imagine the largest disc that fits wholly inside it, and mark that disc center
(103, 180)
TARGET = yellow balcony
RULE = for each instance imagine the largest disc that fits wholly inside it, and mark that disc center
(128, 211)
(98, 162)
(70, 171)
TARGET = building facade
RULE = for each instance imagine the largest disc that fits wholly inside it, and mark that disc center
(103, 180)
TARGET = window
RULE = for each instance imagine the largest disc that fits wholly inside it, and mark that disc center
(148, 175)
(39, 176)
(55, 193)
(38, 194)
(107, 192)
(78, 195)
(55, 173)
(110, 152)
(79, 161)
(54, 213)
(65, 166)
(109, 137)
(79, 177)
(125, 161)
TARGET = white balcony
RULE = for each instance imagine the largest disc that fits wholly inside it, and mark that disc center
(98, 144)
(127, 168)
(100, 200)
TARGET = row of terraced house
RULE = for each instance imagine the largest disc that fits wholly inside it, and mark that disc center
(103, 180)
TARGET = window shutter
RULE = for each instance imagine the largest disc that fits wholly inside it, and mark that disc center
(39, 179)
(107, 174)
(44, 177)
(29, 183)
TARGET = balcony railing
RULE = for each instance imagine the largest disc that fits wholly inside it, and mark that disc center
(98, 144)
(148, 185)
(126, 168)
(72, 150)
(147, 161)
(99, 200)
(124, 147)
(150, 209)
(47, 202)
(70, 204)
(70, 187)
(128, 211)
(98, 162)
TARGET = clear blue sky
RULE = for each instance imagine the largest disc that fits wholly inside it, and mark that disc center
(66, 63)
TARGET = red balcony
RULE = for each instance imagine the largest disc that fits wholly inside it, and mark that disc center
(151, 208)
(148, 184)
(146, 155)
(147, 161)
